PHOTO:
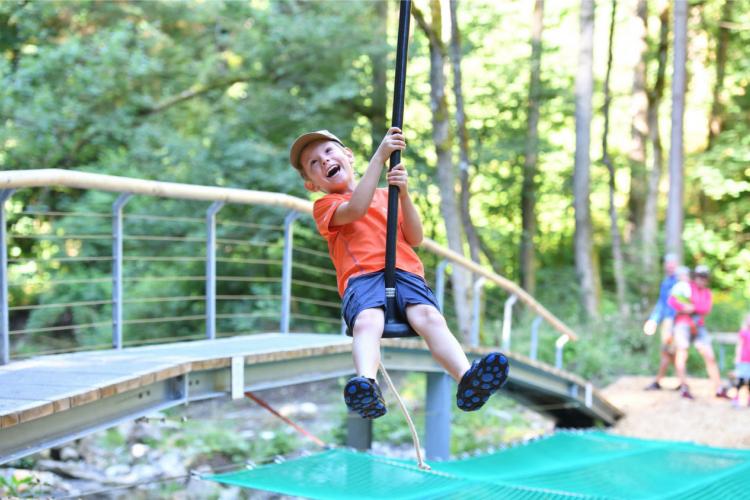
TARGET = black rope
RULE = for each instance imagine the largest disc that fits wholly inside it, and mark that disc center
(395, 326)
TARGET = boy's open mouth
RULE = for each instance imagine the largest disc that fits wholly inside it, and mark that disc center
(333, 171)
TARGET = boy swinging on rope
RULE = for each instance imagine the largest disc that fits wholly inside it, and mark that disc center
(352, 218)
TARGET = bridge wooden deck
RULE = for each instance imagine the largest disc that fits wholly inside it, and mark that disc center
(49, 400)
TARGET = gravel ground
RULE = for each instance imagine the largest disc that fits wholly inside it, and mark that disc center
(665, 415)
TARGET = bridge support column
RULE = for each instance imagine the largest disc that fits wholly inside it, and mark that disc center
(117, 269)
(440, 283)
(438, 416)
(211, 268)
(476, 308)
(559, 346)
(534, 337)
(286, 272)
(358, 432)
(507, 318)
(5, 194)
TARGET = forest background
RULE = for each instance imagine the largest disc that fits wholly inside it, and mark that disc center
(550, 160)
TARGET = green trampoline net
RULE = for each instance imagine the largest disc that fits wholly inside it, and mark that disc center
(562, 466)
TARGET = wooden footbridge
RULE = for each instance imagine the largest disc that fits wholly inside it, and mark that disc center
(48, 400)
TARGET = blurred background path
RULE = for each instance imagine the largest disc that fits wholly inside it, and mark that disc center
(665, 415)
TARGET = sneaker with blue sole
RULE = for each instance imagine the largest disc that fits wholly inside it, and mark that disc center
(362, 395)
(485, 376)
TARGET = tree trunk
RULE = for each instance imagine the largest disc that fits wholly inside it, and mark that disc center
(11, 41)
(617, 258)
(639, 124)
(581, 175)
(463, 136)
(441, 136)
(675, 215)
(378, 117)
(529, 187)
(649, 228)
(717, 107)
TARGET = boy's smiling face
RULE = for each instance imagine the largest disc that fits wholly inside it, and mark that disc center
(328, 167)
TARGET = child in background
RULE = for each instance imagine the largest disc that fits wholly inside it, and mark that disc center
(681, 292)
(742, 361)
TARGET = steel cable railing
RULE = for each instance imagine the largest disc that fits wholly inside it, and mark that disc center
(495, 306)
(58, 328)
(170, 271)
(145, 270)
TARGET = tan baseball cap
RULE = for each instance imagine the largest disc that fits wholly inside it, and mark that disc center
(302, 141)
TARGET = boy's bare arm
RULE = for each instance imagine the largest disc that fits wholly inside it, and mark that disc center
(412, 223)
(362, 195)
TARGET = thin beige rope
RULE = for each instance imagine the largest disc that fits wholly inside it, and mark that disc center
(415, 438)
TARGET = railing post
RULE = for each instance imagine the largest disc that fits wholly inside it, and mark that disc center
(438, 416)
(535, 337)
(211, 268)
(507, 319)
(440, 283)
(117, 269)
(722, 357)
(5, 195)
(559, 345)
(476, 306)
(286, 271)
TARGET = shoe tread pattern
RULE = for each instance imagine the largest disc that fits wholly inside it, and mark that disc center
(363, 396)
(485, 377)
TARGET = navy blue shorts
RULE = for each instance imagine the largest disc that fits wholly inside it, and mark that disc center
(368, 292)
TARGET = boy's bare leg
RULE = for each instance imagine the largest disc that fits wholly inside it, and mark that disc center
(431, 326)
(368, 329)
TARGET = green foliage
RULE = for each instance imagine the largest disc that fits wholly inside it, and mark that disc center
(500, 422)
(213, 93)
(720, 223)
(113, 439)
(728, 311)
(19, 487)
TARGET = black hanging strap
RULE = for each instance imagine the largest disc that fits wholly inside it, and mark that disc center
(394, 325)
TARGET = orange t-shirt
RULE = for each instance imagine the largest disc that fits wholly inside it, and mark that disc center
(359, 247)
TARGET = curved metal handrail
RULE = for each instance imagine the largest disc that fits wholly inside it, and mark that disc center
(17, 179)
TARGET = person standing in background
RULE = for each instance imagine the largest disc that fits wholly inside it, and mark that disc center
(663, 314)
(687, 315)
